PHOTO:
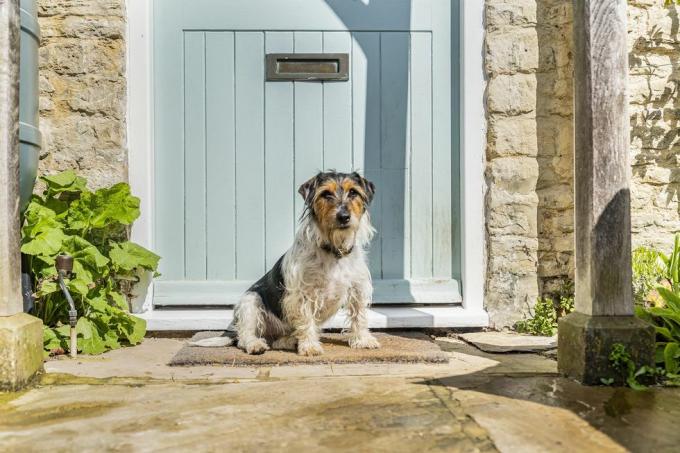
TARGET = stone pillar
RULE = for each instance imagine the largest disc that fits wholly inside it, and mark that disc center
(20, 334)
(603, 312)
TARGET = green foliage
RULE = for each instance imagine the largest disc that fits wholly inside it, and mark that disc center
(666, 318)
(647, 270)
(621, 360)
(671, 270)
(543, 318)
(92, 228)
(670, 2)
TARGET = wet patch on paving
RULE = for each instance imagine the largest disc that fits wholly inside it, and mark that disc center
(324, 414)
(551, 407)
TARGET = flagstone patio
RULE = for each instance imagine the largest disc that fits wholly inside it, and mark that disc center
(130, 400)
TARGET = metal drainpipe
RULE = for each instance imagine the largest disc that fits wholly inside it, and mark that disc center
(30, 139)
(64, 265)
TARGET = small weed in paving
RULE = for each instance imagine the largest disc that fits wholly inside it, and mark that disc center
(543, 316)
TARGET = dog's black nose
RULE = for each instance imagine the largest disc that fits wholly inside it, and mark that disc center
(343, 217)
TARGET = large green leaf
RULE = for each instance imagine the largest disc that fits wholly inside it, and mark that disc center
(45, 238)
(670, 355)
(104, 208)
(664, 332)
(111, 340)
(85, 253)
(118, 300)
(666, 313)
(128, 256)
(672, 299)
(132, 328)
(38, 209)
(43, 266)
(81, 284)
(47, 287)
(66, 181)
(52, 339)
(138, 330)
(89, 339)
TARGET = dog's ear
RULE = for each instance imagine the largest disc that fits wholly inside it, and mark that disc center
(308, 188)
(368, 186)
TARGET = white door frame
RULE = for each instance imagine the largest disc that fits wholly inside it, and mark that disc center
(472, 148)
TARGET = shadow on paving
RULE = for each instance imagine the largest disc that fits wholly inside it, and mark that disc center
(639, 421)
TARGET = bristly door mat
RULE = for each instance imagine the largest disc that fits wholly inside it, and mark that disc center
(395, 347)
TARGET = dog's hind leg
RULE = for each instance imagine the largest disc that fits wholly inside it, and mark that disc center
(251, 324)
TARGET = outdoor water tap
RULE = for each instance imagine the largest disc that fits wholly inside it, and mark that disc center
(64, 265)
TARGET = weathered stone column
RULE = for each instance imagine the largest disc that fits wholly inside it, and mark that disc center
(20, 334)
(604, 302)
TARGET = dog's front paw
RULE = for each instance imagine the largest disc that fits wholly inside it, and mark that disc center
(366, 341)
(310, 348)
(257, 346)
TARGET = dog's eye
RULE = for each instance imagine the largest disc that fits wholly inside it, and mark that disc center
(327, 194)
(353, 193)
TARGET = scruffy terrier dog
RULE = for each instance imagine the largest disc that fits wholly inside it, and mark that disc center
(324, 270)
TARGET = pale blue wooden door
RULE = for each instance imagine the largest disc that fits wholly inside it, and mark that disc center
(231, 148)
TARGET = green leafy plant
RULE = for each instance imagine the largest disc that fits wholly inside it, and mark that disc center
(647, 271)
(544, 315)
(671, 269)
(666, 318)
(621, 360)
(92, 227)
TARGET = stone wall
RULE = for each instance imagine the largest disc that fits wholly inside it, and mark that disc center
(529, 154)
(529, 201)
(654, 84)
(82, 88)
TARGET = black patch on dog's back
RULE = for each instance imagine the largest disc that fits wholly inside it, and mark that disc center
(271, 288)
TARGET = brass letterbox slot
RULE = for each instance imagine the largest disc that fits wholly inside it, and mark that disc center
(308, 66)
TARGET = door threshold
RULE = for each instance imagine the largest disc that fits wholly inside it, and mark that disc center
(379, 317)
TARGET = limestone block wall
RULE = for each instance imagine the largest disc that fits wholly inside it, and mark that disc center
(83, 89)
(654, 84)
(529, 202)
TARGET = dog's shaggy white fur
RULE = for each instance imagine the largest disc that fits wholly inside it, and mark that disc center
(317, 285)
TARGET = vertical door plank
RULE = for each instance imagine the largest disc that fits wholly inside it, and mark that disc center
(194, 156)
(365, 68)
(169, 152)
(394, 50)
(421, 156)
(279, 156)
(308, 119)
(249, 90)
(441, 141)
(337, 109)
(220, 131)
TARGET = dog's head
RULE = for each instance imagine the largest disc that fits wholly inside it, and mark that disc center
(337, 201)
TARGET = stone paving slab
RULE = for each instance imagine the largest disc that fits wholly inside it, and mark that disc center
(509, 342)
(559, 414)
(325, 414)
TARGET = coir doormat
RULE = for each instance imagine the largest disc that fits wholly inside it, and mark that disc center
(395, 347)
